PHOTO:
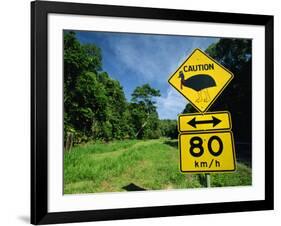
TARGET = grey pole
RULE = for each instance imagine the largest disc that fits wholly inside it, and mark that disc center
(208, 180)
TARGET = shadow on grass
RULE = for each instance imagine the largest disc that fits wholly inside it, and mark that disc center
(133, 187)
(172, 143)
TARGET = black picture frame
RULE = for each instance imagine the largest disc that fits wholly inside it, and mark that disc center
(39, 112)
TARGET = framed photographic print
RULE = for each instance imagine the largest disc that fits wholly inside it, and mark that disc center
(144, 112)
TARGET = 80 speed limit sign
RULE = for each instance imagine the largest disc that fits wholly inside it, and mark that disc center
(207, 152)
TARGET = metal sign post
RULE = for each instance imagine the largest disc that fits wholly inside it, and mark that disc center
(208, 180)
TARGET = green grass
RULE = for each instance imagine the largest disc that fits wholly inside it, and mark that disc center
(150, 164)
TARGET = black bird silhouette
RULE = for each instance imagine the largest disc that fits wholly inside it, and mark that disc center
(200, 83)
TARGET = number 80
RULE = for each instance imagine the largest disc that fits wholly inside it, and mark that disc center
(196, 142)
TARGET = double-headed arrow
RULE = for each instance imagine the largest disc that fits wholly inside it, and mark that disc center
(214, 120)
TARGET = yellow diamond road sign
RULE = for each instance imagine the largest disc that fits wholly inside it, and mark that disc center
(200, 79)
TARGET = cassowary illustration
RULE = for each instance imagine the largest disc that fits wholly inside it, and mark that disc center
(200, 83)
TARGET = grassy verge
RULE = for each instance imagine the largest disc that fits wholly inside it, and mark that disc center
(135, 165)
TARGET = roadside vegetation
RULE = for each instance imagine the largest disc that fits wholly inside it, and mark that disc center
(135, 165)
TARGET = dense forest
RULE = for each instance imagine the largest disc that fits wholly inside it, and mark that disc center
(95, 107)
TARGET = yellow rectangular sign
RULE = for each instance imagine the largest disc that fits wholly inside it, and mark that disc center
(197, 122)
(207, 152)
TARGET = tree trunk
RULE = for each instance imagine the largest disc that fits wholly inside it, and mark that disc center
(143, 125)
(69, 141)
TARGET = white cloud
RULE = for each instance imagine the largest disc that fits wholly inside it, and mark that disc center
(152, 58)
(137, 56)
(170, 105)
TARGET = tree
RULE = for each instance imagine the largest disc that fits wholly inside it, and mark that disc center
(236, 56)
(143, 111)
(189, 109)
(115, 117)
(78, 85)
(78, 59)
(169, 128)
(144, 95)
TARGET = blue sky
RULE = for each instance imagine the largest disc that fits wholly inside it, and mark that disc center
(136, 59)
